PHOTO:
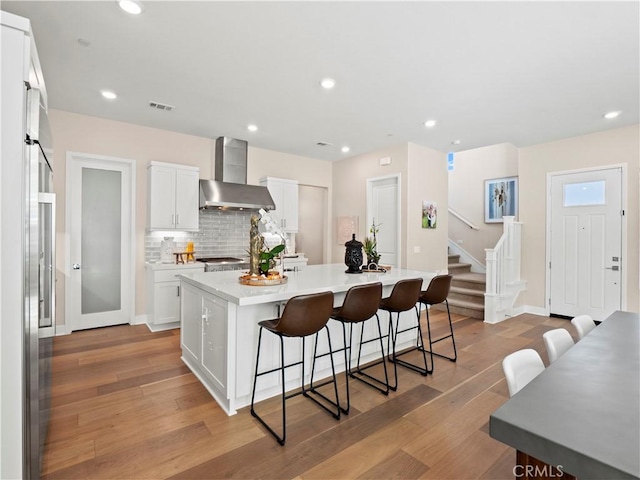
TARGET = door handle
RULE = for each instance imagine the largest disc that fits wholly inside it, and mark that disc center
(615, 268)
(76, 266)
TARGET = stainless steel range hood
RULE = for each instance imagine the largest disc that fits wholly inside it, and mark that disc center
(229, 190)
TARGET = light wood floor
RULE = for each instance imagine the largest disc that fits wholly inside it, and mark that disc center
(126, 407)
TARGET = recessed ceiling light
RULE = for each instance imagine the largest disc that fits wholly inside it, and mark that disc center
(109, 95)
(328, 83)
(345, 149)
(134, 7)
(611, 115)
(252, 128)
(456, 142)
(430, 123)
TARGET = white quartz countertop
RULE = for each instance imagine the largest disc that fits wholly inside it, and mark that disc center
(312, 279)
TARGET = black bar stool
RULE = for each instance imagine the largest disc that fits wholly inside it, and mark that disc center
(403, 298)
(360, 304)
(437, 292)
(303, 315)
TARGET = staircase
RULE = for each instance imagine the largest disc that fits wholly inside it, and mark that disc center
(466, 296)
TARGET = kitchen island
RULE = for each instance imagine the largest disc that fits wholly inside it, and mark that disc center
(219, 328)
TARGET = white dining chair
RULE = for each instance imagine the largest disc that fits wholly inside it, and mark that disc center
(520, 368)
(557, 341)
(584, 324)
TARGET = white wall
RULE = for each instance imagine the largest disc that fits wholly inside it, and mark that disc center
(423, 177)
(350, 190)
(611, 147)
(466, 194)
(85, 134)
(427, 180)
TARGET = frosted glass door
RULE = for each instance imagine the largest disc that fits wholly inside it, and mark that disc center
(100, 242)
(100, 238)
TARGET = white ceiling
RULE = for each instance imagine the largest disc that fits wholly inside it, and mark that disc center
(488, 72)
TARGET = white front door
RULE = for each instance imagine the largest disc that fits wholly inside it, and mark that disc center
(586, 243)
(383, 206)
(101, 241)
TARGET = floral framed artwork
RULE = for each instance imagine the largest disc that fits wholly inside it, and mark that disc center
(500, 199)
(429, 214)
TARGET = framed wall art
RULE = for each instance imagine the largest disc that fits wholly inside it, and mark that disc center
(500, 199)
(429, 214)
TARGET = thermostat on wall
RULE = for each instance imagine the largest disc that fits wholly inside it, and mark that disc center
(385, 161)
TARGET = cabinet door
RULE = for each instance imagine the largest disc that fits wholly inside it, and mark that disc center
(214, 340)
(290, 206)
(187, 200)
(191, 324)
(275, 189)
(167, 302)
(162, 198)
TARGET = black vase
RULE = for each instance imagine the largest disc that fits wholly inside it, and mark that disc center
(353, 255)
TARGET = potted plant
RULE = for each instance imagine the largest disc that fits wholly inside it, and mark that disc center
(267, 259)
(370, 245)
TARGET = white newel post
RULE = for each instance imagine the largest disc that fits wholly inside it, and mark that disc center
(491, 297)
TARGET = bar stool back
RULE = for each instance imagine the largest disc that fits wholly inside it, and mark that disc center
(303, 315)
(403, 298)
(437, 292)
(360, 304)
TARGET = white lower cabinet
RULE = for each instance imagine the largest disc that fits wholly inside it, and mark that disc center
(163, 294)
(214, 340)
(203, 338)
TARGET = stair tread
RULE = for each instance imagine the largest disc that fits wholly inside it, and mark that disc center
(466, 304)
(471, 277)
(467, 291)
(458, 264)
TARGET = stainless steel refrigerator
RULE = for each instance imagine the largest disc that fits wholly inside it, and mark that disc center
(27, 266)
(39, 267)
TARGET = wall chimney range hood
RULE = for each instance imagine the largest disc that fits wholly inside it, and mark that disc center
(229, 190)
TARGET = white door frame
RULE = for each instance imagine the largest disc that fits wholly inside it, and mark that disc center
(625, 271)
(73, 157)
(370, 182)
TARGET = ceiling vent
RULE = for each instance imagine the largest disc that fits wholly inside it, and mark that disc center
(161, 106)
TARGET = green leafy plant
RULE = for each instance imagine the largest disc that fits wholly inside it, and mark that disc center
(267, 258)
(370, 244)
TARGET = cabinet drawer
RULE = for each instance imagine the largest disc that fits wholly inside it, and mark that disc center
(170, 275)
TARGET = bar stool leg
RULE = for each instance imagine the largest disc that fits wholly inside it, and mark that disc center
(361, 370)
(453, 339)
(312, 389)
(419, 347)
(280, 439)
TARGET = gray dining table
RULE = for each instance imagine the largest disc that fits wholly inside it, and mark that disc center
(582, 414)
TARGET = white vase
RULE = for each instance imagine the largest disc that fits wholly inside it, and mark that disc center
(167, 247)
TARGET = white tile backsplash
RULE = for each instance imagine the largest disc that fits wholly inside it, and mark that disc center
(222, 233)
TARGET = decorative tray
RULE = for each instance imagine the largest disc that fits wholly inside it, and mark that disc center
(261, 281)
(379, 268)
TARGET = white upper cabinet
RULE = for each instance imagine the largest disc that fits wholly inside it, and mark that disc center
(173, 197)
(285, 195)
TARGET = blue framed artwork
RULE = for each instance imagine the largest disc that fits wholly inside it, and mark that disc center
(500, 199)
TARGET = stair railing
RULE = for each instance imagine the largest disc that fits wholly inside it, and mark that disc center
(503, 273)
(462, 219)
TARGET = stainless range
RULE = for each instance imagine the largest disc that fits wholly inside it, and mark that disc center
(219, 264)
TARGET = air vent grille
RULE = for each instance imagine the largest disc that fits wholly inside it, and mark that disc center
(161, 106)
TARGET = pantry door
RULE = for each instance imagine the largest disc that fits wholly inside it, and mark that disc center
(101, 247)
(586, 258)
(383, 207)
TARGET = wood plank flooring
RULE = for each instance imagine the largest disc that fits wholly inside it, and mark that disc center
(124, 406)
